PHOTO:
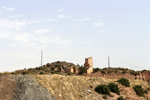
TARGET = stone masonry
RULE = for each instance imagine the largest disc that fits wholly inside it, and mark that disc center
(89, 65)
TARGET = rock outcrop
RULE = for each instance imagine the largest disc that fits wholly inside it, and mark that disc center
(29, 89)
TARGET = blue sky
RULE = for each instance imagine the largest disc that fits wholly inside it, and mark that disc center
(71, 30)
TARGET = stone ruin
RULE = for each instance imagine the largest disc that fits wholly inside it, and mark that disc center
(68, 69)
(89, 65)
(72, 69)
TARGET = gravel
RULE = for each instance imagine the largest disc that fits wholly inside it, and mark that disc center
(29, 89)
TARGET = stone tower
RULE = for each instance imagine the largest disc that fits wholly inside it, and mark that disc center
(89, 65)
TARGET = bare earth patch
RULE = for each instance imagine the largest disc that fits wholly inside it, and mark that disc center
(7, 88)
(65, 87)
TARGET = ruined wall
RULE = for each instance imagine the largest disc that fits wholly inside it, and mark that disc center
(75, 70)
(89, 64)
(69, 70)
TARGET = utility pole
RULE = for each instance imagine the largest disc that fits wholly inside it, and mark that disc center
(41, 58)
(108, 62)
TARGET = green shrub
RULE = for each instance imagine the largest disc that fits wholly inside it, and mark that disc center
(114, 88)
(96, 69)
(55, 72)
(41, 73)
(82, 70)
(120, 98)
(23, 73)
(69, 73)
(103, 72)
(125, 82)
(116, 71)
(102, 89)
(48, 64)
(109, 72)
(123, 72)
(139, 90)
(146, 92)
(104, 97)
(134, 73)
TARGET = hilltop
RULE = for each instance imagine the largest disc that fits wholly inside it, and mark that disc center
(59, 67)
(49, 68)
(53, 82)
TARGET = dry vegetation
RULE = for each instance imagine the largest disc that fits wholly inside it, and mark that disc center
(77, 86)
(49, 68)
(82, 88)
(7, 88)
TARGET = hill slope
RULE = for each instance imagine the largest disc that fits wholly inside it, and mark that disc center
(63, 87)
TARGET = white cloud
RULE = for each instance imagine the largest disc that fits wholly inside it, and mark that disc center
(1, 11)
(83, 19)
(50, 19)
(83, 42)
(7, 24)
(44, 39)
(15, 16)
(23, 37)
(5, 34)
(100, 24)
(102, 31)
(64, 42)
(3, 7)
(43, 31)
(49, 39)
(63, 16)
(60, 10)
(26, 45)
(54, 39)
(8, 8)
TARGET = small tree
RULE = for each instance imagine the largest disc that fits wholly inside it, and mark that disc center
(125, 82)
(96, 69)
(139, 90)
(102, 89)
(23, 73)
(135, 73)
(103, 72)
(41, 72)
(114, 88)
(82, 70)
(120, 98)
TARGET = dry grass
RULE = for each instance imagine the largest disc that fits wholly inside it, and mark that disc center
(7, 88)
(77, 87)
(64, 87)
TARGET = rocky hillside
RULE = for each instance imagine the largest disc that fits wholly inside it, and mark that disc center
(21, 87)
(49, 83)
(49, 68)
(121, 72)
(64, 87)
(56, 68)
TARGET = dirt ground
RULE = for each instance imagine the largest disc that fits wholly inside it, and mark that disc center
(63, 87)
(7, 88)
(82, 88)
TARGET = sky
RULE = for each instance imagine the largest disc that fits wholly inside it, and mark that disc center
(71, 30)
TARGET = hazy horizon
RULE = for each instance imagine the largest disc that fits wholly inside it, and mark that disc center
(71, 30)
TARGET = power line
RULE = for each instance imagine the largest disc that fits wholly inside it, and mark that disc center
(124, 63)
